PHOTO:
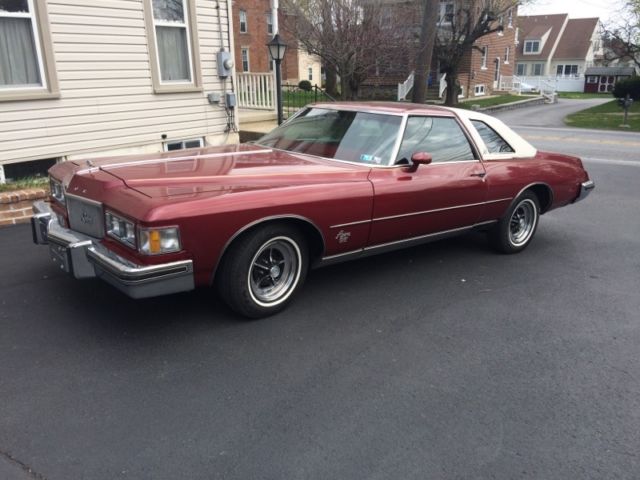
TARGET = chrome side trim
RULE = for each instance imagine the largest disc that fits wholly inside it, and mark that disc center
(435, 210)
(396, 245)
(351, 224)
(424, 212)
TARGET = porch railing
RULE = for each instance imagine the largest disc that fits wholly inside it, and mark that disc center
(405, 87)
(256, 90)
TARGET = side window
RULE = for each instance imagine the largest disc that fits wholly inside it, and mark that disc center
(27, 68)
(173, 47)
(494, 142)
(441, 137)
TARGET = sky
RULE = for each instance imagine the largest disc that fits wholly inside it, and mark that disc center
(575, 8)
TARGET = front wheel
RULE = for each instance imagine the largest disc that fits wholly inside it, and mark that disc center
(263, 270)
(515, 230)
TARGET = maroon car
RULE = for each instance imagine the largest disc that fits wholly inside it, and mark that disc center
(335, 182)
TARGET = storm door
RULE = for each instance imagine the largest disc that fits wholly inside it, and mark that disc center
(446, 195)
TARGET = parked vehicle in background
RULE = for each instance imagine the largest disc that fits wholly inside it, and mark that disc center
(337, 181)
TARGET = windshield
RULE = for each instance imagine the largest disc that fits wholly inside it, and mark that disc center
(359, 137)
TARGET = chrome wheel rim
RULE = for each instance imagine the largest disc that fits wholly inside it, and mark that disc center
(522, 223)
(274, 271)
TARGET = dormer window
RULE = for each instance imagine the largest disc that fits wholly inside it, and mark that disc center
(531, 47)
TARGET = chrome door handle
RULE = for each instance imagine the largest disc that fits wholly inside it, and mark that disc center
(481, 174)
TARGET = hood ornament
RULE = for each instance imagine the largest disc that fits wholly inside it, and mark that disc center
(90, 163)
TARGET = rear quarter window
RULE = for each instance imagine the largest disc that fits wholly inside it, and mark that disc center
(494, 142)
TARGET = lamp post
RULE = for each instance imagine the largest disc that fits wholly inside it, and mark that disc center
(276, 49)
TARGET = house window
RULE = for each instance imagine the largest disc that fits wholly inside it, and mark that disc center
(270, 62)
(517, 37)
(592, 79)
(182, 144)
(26, 62)
(310, 73)
(510, 18)
(479, 90)
(485, 54)
(501, 24)
(244, 53)
(567, 70)
(531, 47)
(269, 23)
(507, 52)
(446, 12)
(174, 47)
(243, 21)
(537, 69)
(521, 69)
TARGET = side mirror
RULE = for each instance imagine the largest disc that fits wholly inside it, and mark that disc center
(420, 158)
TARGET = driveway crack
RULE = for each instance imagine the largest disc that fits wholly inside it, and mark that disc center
(30, 471)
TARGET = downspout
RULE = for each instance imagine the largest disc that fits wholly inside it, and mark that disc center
(232, 49)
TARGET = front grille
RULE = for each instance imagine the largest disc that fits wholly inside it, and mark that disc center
(85, 216)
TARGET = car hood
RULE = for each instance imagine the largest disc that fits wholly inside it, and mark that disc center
(223, 169)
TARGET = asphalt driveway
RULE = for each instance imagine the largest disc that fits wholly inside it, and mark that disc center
(443, 361)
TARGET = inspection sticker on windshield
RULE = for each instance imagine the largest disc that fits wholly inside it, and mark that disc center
(370, 158)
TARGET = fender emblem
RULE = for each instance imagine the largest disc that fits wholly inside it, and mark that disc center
(343, 237)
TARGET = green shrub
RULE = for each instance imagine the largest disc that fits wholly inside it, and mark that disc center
(305, 85)
(630, 86)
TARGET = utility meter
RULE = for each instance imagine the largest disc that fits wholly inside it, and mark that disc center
(225, 64)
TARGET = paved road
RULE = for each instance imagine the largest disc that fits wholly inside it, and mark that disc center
(548, 115)
(443, 361)
(543, 126)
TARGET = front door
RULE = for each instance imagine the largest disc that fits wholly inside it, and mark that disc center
(446, 195)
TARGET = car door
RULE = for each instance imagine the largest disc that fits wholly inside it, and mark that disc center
(447, 194)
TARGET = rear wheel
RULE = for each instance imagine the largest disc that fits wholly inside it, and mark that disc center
(515, 230)
(263, 270)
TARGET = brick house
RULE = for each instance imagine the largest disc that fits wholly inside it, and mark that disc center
(555, 45)
(253, 28)
(490, 59)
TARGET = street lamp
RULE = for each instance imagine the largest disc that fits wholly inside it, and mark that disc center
(276, 49)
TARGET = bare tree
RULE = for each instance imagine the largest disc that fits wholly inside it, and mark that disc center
(430, 10)
(622, 39)
(352, 37)
(459, 31)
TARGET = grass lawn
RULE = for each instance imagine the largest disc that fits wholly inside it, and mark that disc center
(582, 96)
(491, 102)
(28, 182)
(608, 116)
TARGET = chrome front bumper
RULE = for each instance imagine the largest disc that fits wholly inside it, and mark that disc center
(85, 257)
(585, 189)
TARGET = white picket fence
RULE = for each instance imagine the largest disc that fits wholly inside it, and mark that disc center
(256, 90)
(560, 84)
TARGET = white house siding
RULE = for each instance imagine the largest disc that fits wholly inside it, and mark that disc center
(107, 103)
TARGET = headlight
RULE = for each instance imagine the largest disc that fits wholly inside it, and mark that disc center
(154, 241)
(120, 228)
(57, 190)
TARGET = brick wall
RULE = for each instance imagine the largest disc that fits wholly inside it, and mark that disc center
(15, 207)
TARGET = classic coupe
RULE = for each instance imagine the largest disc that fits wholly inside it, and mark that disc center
(337, 181)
